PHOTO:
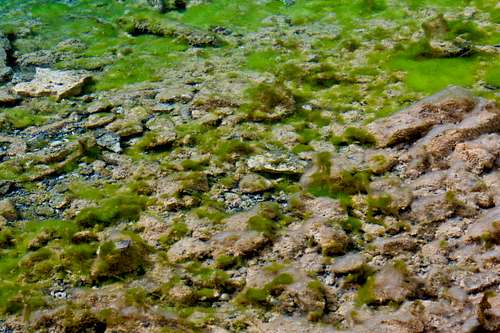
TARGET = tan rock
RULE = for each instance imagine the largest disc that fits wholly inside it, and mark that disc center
(48, 82)
(348, 263)
(187, 248)
(8, 210)
(390, 284)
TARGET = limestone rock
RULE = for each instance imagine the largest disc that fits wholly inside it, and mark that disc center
(331, 238)
(348, 263)
(448, 106)
(48, 82)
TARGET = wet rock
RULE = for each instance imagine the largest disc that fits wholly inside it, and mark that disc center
(17, 146)
(49, 82)
(348, 263)
(187, 248)
(126, 127)
(277, 164)
(253, 183)
(441, 141)
(326, 208)
(149, 26)
(391, 284)
(294, 288)
(331, 238)
(5, 70)
(99, 120)
(392, 190)
(341, 168)
(7, 98)
(167, 5)
(100, 106)
(289, 324)
(404, 320)
(110, 141)
(85, 236)
(433, 208)
(448, 106)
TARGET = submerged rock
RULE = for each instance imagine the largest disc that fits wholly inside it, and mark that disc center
(48, 82)
(448, 106)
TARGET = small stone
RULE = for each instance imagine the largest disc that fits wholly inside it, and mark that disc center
(348, 263)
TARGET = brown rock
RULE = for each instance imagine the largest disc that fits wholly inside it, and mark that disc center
(8, 210)
(448, 106)
(391, 284)
(348, 263)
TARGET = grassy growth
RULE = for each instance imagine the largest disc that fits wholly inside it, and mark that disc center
(126, 254)
(268, 101)
(42, 250)
(123, 207)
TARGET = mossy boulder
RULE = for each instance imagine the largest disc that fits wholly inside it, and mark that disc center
(122, 254)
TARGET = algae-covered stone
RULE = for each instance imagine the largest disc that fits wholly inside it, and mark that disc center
(48, 82)
(8, 210)
(253, 183)
(121, 254)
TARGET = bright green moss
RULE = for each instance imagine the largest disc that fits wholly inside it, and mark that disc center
(225, 262)
(365, 292)
(492, 77)
(262, 61)
(147, 55)
(126, 207)
(19, 118)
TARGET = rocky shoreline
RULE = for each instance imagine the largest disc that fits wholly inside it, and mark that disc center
(238, 193)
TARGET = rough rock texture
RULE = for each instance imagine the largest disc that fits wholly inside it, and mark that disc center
(49, 82)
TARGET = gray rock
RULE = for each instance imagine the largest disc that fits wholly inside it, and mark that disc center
(110, 141)
(276, 163)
